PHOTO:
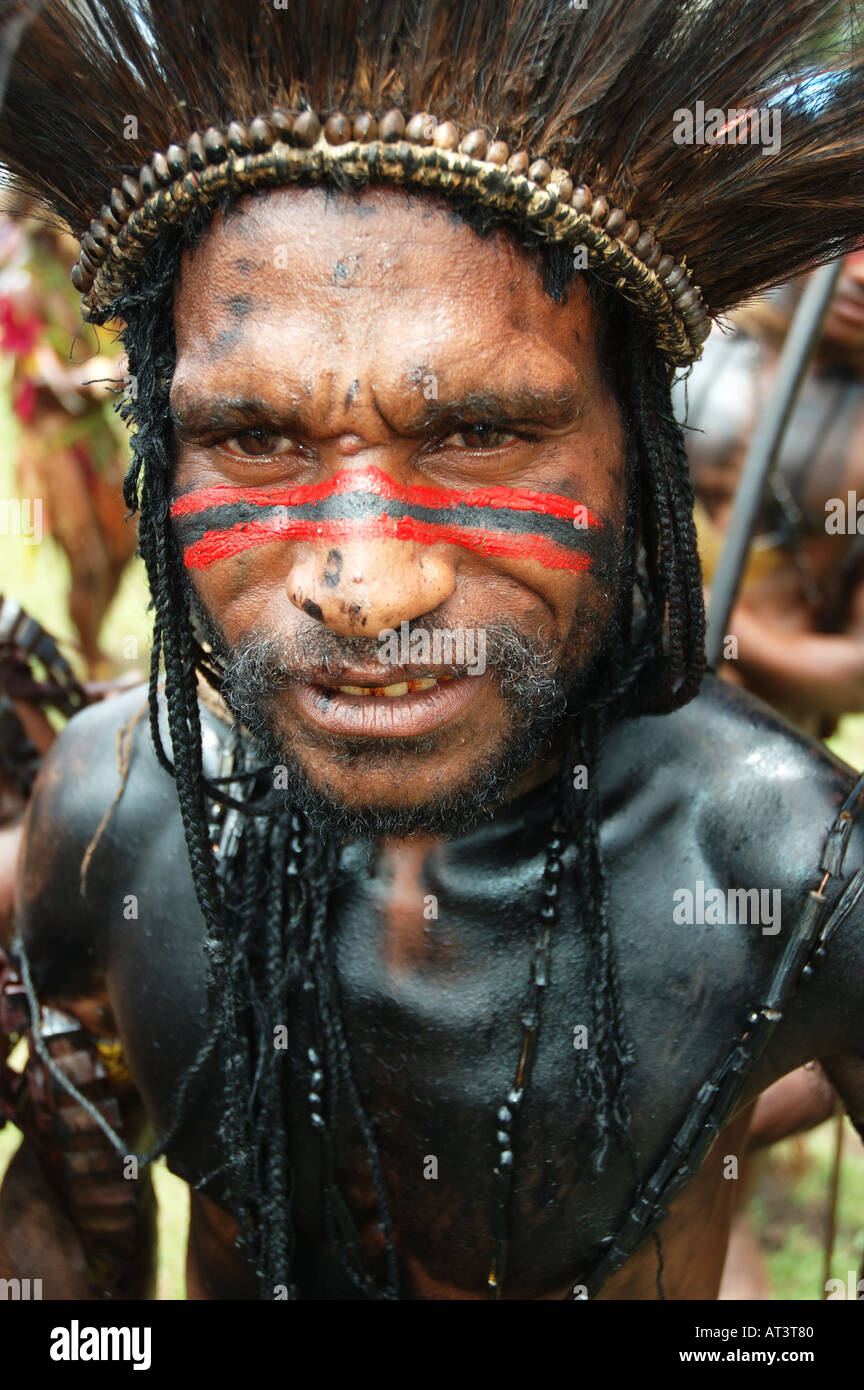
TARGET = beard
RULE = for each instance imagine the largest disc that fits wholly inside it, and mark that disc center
(540, 687)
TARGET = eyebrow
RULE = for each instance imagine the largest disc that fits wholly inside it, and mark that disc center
(529, 405)
(525, 404)
(197, 418)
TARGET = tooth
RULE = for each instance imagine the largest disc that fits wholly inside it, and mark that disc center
(425, 683)
(391, 691)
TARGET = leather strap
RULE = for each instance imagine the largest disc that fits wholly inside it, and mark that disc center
(717, 1099)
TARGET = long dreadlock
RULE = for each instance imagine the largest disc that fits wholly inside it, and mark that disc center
(267, 918)
(593, 90)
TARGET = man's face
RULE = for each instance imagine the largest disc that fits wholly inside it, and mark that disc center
(338, 356)
(844, 322)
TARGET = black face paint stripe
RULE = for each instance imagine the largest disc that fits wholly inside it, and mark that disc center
(361, 506)
(374, 480)
(222, 545)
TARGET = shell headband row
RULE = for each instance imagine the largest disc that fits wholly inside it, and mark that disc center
(285, 148)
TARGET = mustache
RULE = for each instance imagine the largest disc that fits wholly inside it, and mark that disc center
(267, 663)
(254, 670)
(533, 691)
(540, 686)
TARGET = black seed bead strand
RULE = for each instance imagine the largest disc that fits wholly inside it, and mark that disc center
(502, 1177)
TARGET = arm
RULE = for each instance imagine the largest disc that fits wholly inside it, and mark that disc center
(72, 1213)
(215, 1269)
(807, 669)
(795, 1104)
(67, 1215)
(846, 1074)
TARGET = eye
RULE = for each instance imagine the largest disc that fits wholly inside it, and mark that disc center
(479, 437)
(258, 443)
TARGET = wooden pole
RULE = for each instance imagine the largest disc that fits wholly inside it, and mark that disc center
(831, 1204)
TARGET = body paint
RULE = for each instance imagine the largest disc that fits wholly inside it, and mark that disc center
(218, 522)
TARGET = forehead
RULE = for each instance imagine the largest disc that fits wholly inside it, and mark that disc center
(380, 285)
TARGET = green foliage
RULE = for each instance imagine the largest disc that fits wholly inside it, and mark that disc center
(38, 575)
(790, 1207)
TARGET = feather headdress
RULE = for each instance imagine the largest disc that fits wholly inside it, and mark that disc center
(699, 150)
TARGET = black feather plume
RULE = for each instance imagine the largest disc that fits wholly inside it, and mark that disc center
(595, 89)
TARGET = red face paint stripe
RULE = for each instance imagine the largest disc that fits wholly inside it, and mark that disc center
(221, 545)
(518, 499)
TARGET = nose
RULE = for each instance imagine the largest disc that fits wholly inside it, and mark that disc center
(357, 588)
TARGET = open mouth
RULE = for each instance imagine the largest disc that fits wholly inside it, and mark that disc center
(416, 704)
(392, 692)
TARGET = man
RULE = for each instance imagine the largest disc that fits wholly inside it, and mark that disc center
(798, 621)
(34, 678)
(70, 453)
(436, 1000)
(797, 624)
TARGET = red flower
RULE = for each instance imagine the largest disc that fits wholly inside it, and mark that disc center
(24, 399)
(17, 335)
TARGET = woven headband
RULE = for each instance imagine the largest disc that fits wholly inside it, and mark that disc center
(286, 148)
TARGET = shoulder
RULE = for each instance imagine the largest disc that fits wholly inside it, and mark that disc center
(103, 808)
(744, 773)
(730, 789)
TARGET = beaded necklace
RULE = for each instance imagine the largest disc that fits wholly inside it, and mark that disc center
(531, 1019)
(507, 1113)
(713, 1104)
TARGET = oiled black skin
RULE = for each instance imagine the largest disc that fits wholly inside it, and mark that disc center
(721, 791)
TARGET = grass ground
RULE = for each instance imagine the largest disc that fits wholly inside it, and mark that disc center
(789, 1210)
(790, 1195)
